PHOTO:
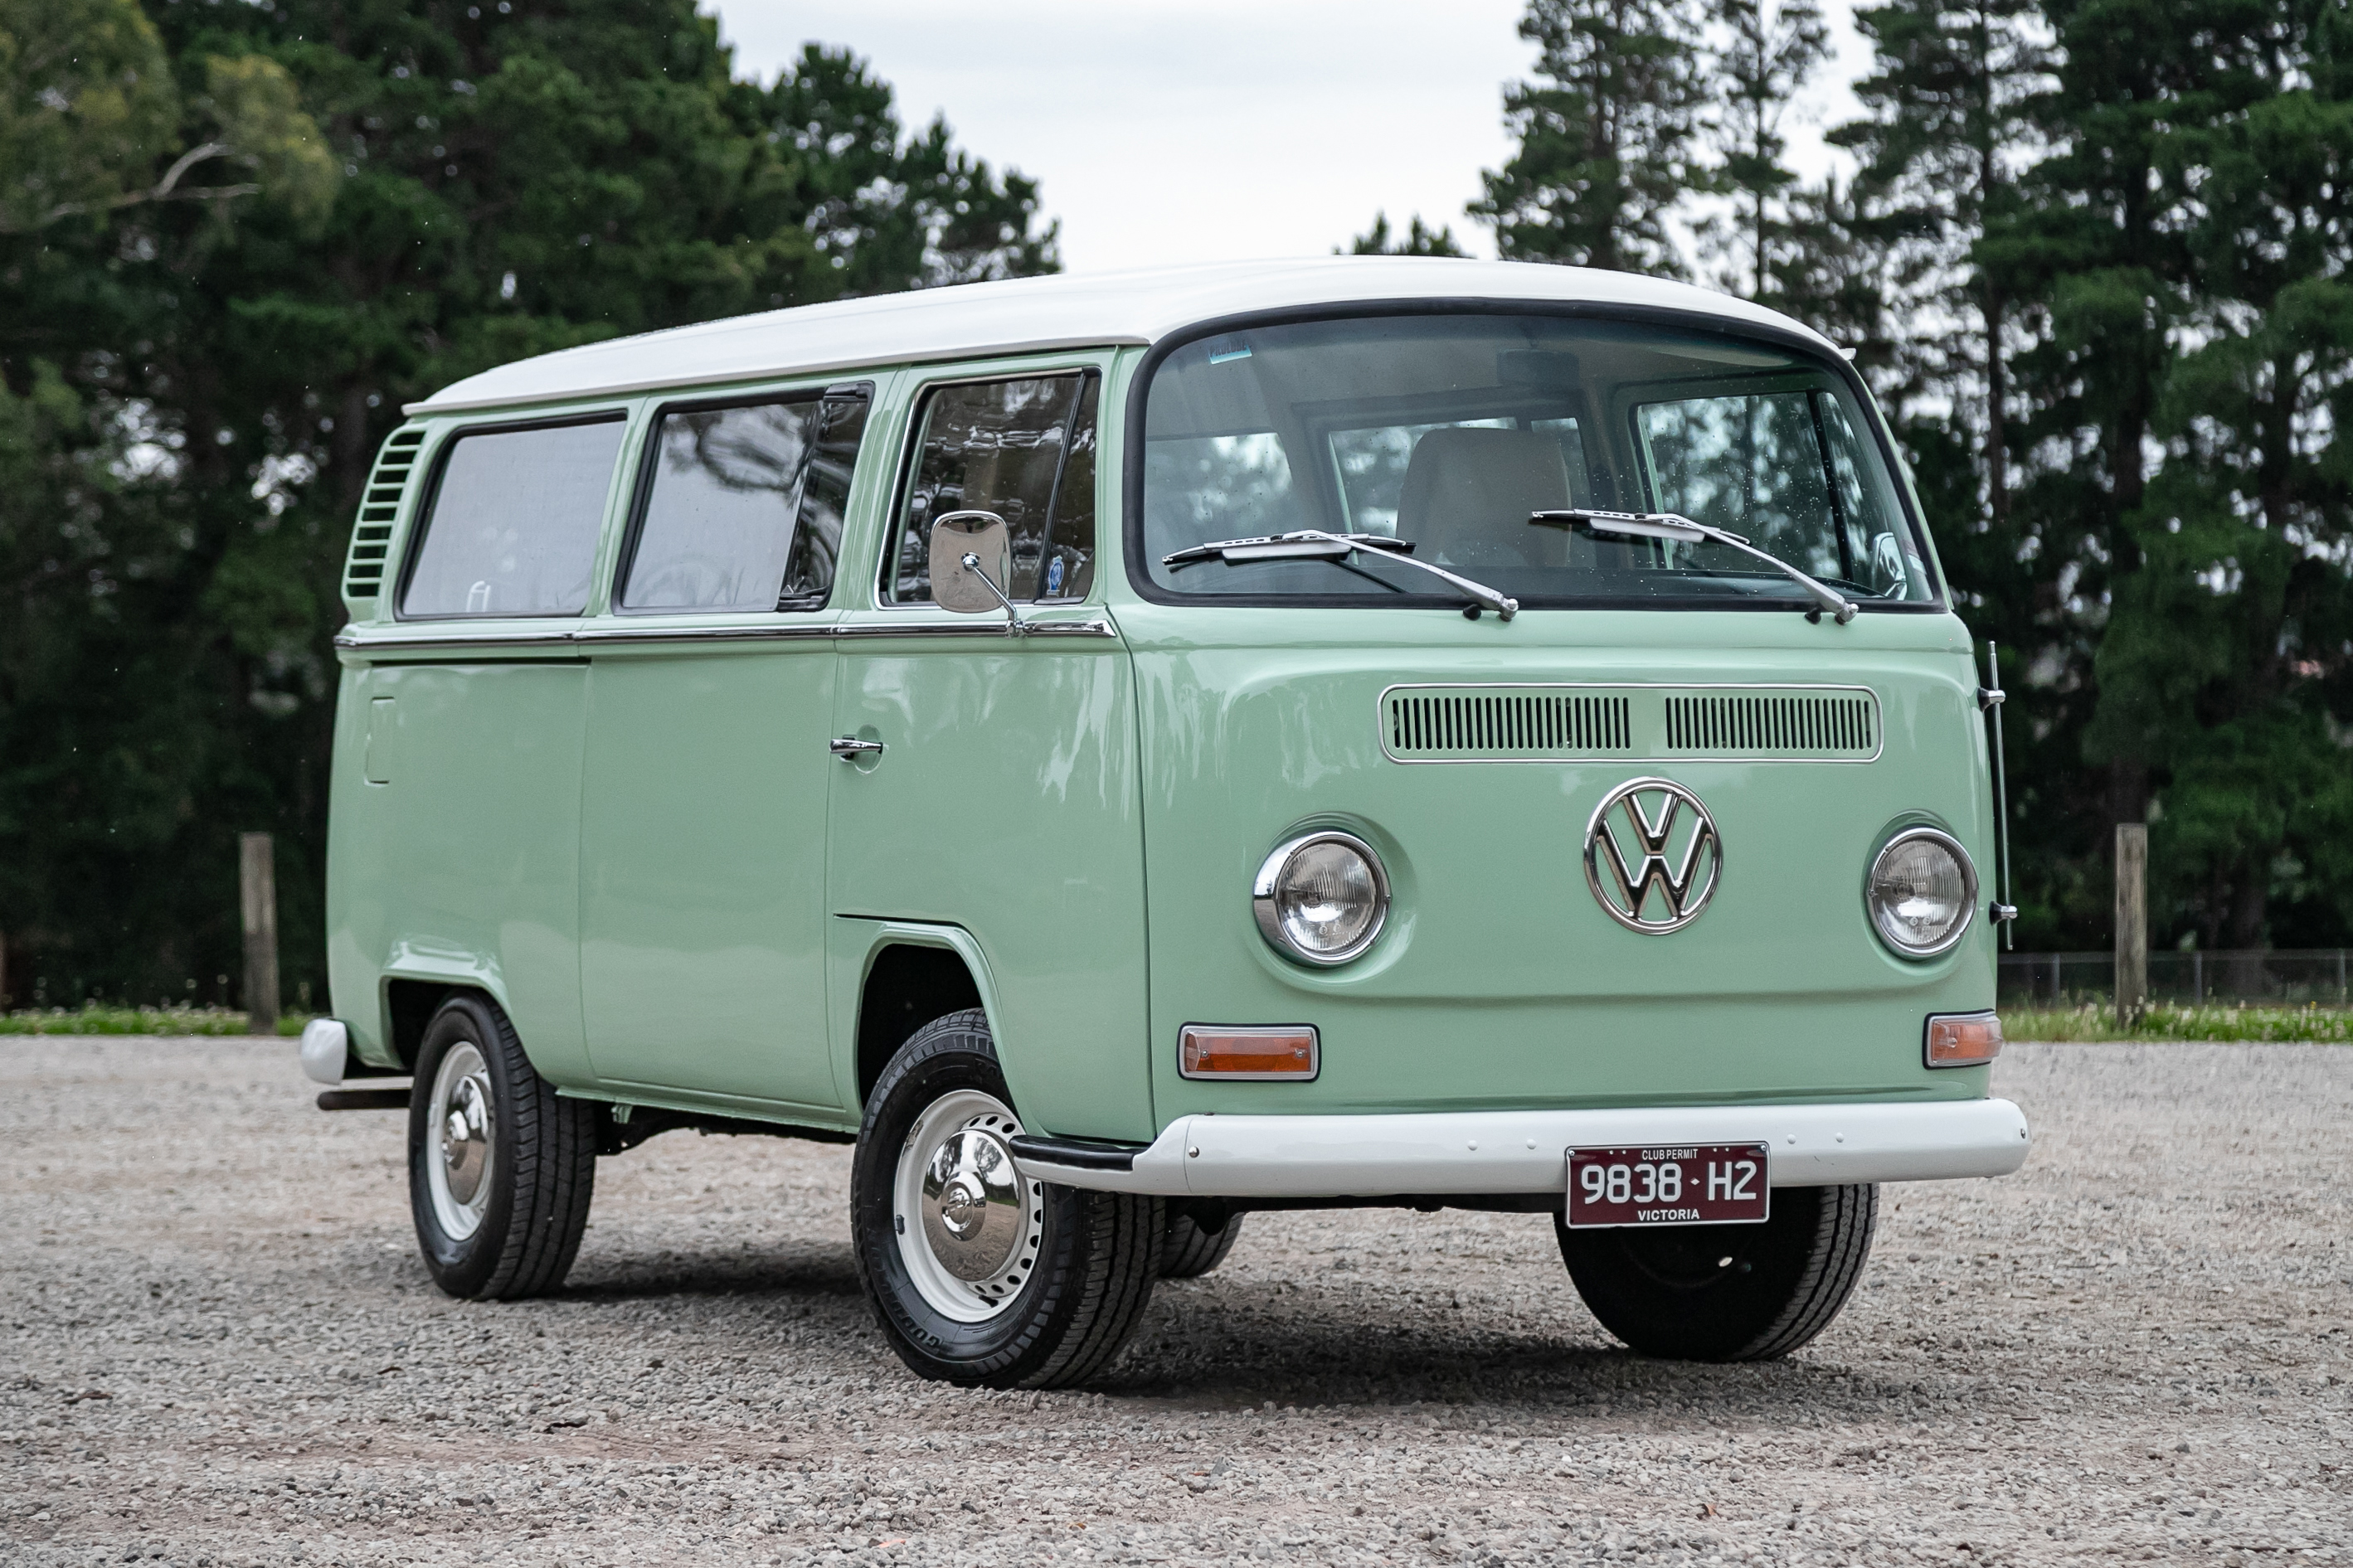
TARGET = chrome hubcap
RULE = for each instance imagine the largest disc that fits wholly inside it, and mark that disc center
(466, 1141)
(972, 1204)
(968, 1224)
(464, 1130)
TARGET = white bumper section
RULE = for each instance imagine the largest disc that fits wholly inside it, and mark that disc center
(1526, 1150)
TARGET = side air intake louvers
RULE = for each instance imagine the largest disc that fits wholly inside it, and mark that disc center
(372, 535)
(1732, 724)
(1447, 725)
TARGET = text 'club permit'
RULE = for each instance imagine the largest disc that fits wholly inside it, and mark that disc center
(1690, 1183)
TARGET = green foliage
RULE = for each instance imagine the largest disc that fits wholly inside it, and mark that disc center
(93, 1018)
(1609, 136)
(283, 222)
(1418, 240)
(87, 105)
(2166, 1021)
(263, 126)
(89, 112)
(1769, 54)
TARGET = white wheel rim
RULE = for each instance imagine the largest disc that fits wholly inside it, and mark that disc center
(461, 1140)
(969, 1223)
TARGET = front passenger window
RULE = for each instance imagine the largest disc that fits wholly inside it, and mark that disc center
(1022, 448)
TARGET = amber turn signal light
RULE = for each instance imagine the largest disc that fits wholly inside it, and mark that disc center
(1217, 1050)
(1964, 1040)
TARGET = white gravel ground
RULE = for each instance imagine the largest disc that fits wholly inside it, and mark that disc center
(222, 1349)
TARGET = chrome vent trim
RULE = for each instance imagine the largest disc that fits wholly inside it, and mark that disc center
(365, 565)
(1575, 720)
(1527, 724)
(1809, 724)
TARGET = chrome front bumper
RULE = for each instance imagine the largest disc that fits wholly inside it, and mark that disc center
(1487, 1152)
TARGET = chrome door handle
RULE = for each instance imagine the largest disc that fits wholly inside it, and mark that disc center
(849, 748)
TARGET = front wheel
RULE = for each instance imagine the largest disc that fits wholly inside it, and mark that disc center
(500, 1169)
(1727, 1292)
(978, 1274)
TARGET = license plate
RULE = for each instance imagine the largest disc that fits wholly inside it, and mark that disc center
(1689, 1183)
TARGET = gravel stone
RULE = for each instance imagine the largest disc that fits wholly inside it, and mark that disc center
(223, 1350)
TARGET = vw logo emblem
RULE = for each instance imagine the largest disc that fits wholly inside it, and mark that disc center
(1652, 856)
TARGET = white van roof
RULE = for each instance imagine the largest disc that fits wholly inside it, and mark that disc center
(1022, 315)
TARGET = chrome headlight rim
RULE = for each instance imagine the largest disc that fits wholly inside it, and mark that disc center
(1269, 920)
(1910, 834)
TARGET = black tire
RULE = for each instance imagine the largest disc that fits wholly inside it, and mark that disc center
(1094, 1252)
(541, 1169)
(1188, 1251)
(1727, 1292)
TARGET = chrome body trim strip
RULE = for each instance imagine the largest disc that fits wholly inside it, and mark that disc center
(398, 644)
(364, 644)
(1249, 1156)
(628, 633)
(977, 627)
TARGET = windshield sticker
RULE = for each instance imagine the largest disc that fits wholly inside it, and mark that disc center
(1220, 355)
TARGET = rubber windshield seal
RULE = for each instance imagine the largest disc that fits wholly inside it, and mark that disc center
(1139, 572)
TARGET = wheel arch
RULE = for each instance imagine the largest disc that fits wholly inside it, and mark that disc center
(911, 975)
(409, 993)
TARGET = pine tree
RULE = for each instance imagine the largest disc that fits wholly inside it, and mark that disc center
(1829, 270)
(1766, 55)
(1418, 240)
(1609, 136)
(2228, 648)
(1951, 104)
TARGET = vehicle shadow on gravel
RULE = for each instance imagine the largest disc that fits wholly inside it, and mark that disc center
(1239, 1354)
(824, 1273)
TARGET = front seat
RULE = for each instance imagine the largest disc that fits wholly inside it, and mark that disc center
(1468, 493)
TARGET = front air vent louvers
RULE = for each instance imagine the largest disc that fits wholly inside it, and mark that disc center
(1775, 724)
(379, 506)
(1449, 725)
(1631, 723)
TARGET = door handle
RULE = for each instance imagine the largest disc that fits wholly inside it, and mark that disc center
(849, 748)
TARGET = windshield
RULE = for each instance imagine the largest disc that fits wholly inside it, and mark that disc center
(1445, 432)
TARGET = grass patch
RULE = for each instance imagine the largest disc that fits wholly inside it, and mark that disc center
(92, 1018)
(2173, 1021)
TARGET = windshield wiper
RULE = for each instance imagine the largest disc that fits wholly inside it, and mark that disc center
(1315, 544)
(1674, 526)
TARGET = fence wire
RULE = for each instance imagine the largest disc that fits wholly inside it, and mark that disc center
(2286, 975)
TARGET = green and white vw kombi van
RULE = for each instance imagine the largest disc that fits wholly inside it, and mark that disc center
(1131, 751)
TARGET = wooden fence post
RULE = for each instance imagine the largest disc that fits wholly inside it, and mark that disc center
(257, 881)
(2132, 922)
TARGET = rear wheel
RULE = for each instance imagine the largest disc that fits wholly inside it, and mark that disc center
(501, 1170)
(1188, 1251)
(978, 1274)
(1727, 1292)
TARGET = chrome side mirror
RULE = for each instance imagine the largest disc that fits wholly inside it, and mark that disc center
(971, 559)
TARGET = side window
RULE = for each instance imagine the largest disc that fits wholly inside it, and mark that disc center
(1024, 449)
(740, 507)
(513, 523)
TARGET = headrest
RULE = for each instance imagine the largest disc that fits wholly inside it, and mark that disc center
(1468, 493)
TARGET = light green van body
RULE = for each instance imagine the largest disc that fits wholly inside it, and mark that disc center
(636, 840)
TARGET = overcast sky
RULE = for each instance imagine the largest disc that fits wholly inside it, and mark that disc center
(1206, 130)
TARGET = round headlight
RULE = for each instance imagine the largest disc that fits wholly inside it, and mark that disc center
(1322, 898)
(1922, 892)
